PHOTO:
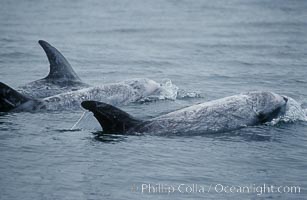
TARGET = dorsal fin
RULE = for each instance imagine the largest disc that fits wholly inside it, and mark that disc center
(10, 98)
(60, 69)
(112, 119)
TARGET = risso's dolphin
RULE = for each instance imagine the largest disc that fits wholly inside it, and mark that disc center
(61, 77)
(226, 114)
(116, 94)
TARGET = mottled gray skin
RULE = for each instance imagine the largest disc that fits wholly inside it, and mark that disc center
(61, 77)
(45, 88)
(116, 94)
(220, 115)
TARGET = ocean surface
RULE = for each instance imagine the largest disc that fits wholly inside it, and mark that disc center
(214, 48)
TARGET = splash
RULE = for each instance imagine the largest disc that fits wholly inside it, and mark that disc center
(172, 92)
(169, 91)
(166, 91)
(294, 112)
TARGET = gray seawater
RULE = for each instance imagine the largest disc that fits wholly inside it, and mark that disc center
(217, 48)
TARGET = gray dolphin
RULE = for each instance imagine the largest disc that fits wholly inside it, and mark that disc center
(120, 93)
(226, 114)
(61, 77)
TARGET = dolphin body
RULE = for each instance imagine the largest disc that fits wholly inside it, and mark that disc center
(226, 114)
(61, 77)
(116, 94)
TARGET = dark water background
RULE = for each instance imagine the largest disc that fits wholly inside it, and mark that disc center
(218, 48)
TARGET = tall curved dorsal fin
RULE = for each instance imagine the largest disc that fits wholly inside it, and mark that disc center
(112, 119)
(60, 69)
(10, 98)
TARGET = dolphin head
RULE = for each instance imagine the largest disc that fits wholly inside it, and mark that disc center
(268, 105)
(143, 86)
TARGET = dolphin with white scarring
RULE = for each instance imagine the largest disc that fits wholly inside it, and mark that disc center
(61, 77)
(226, 114)
(120, 93)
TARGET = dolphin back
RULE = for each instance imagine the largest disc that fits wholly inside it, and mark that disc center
(111, 119)
(60, 69)
(10, 98)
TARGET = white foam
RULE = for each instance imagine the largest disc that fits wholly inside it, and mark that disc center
(168, 90)
(294, 112)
